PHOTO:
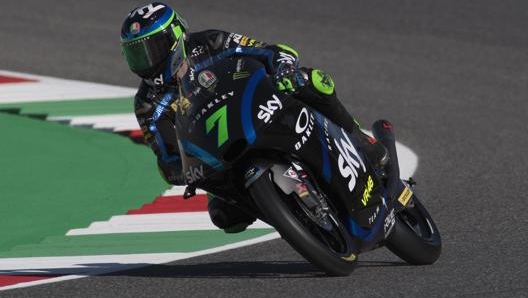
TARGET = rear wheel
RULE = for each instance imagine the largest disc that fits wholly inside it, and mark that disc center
(317, 235)
(415, 237)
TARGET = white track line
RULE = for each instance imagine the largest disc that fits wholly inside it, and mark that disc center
(83, 266)
(126, 121)
(160, 222)
(55, 89)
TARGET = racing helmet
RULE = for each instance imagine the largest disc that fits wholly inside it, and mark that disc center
(153, 41)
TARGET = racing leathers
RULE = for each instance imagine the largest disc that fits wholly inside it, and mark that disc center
(155, 104)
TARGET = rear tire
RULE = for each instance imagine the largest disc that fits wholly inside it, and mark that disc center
(284, 213)
(415, 237)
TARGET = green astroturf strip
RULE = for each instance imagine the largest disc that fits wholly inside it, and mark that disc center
(159, 242)
(76, 107)
(54, 177)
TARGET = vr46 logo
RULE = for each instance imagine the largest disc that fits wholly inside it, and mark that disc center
(367, 191)
(349, 162)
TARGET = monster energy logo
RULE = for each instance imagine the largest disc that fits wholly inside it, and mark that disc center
(240, 75)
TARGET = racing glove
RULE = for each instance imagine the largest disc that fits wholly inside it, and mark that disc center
(288, 78)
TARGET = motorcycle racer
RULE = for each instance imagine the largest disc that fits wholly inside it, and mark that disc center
(156, 43)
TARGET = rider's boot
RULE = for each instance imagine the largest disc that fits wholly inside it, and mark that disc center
(317, 90)
(227, 217)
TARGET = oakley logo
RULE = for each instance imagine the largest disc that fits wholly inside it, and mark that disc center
(150, 9)
(304, 127)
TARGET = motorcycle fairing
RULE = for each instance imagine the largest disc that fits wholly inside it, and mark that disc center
(244, 115)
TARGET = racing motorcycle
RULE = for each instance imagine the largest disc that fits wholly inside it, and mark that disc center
(287, 164)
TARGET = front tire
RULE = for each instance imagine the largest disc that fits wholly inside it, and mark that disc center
(415, 237)
(329, 250)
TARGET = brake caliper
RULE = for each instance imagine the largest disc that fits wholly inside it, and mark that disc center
(311, 198)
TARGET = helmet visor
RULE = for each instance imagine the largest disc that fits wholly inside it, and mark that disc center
(145, 55)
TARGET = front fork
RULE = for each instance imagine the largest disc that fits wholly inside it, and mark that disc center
(404, 199)
(312, 199)
(293, 178)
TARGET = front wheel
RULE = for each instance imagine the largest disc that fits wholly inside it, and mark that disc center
(415, 237)
(327, 245)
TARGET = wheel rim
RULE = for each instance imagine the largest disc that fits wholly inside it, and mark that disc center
(417, 221)
(335, 237)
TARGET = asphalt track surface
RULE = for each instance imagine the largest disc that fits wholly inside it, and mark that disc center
(451, 75)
